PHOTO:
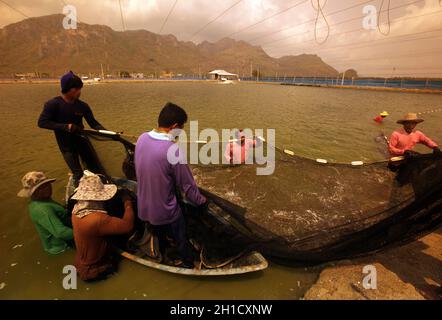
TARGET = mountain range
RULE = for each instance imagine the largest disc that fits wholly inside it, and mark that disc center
(42, 45)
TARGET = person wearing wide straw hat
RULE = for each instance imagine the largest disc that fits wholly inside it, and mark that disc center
(402, 141)
(92, 225)
(380, 118)
(50, 218)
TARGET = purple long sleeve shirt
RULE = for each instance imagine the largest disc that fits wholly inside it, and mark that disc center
(157, 178)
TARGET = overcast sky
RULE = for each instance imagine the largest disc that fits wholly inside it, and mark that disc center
(413, 46)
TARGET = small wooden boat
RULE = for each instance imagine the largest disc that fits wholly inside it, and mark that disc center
(246, 263)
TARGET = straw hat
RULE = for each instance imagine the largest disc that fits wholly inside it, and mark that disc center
(410, 117)
(91, 188)
(31, 181)
(384, 114)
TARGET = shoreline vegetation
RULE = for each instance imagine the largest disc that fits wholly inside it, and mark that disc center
(354, 87)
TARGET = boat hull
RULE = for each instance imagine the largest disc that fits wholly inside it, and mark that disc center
(247, 263)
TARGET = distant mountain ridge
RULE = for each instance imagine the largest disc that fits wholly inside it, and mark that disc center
(42, 45)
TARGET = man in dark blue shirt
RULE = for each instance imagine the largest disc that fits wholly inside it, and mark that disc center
(64, 114)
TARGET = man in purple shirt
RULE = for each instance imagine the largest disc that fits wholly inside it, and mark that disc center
(159, 180)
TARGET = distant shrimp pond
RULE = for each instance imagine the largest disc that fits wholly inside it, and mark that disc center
(326, 123)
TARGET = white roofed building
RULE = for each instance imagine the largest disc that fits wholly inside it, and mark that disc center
(222, 74)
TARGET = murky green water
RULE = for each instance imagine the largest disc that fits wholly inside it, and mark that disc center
(328, 123)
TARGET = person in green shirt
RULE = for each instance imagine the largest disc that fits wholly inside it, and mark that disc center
(50, 218)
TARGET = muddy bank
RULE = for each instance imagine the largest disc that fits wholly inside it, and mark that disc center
(412, 271)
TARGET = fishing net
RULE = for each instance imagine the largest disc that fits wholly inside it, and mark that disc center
(212, 246)
(308, 210)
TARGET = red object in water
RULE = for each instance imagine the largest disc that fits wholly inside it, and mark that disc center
(379, 119)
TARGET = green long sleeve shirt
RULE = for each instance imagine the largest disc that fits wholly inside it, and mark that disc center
(52, 223)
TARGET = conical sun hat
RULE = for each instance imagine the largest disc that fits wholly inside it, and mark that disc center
(91, 188)
(410, 117)
(384, 114)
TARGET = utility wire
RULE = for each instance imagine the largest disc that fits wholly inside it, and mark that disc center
(429, 68)
(319, 12)
(339, 23)
(388, 19)
(14, 9)
(122, 16)
(431, 53)
(369, 43)
(217, 17)
(407, 18)
(312, 20)
(167, 17)
(397, 20)
(268, 18)
(355, 30)
(404, 74)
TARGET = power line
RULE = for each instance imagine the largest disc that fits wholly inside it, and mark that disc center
(388, 19)
(407, 18)
(421, 54)
(397, 20)
(362, 29)
(404, 74)
(370, 41)
(312, 20)
(122, 16)
(15, 9)
(216, 18)
(167, 17)
(417, 68)
(268, 18)
(342, 22)
(339, 23)
(319, 11)
(369, 44)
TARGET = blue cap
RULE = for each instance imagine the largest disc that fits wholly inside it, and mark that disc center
(65, 79)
